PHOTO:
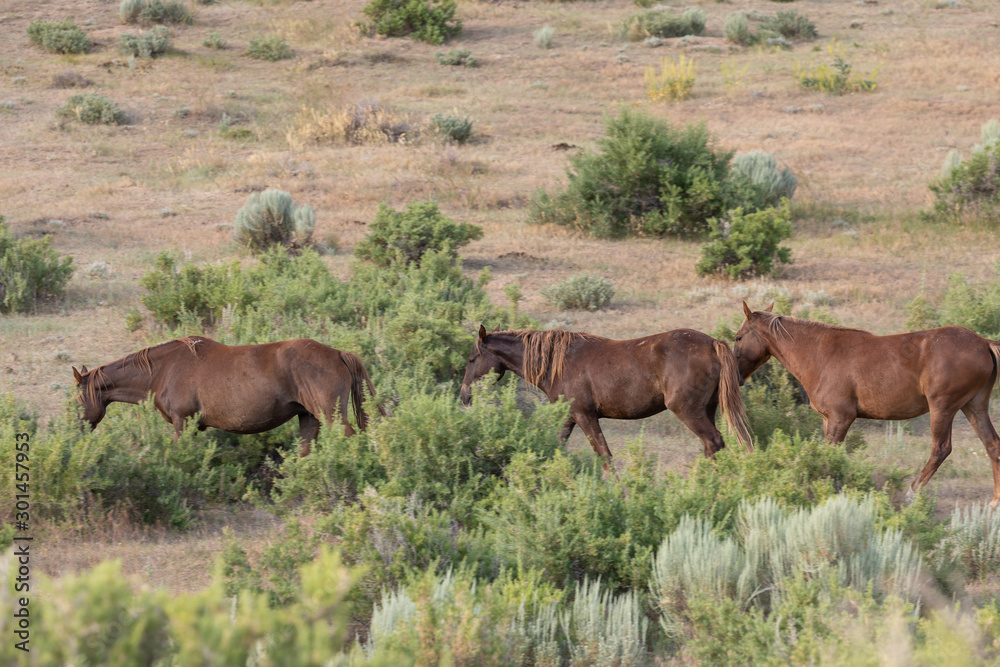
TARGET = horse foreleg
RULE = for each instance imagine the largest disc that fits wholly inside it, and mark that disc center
(592, 429)
(941, 422)
(566, 430)
(308, 430)
(976, 412)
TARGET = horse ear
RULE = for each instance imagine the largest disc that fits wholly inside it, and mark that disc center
(746, 310)
(482, 332)
(76, 374)
(769, 308)
(83, 370)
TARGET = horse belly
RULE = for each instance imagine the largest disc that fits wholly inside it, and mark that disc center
(900, 401)
(247, 415)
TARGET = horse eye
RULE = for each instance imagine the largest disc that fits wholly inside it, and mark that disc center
(739, 338)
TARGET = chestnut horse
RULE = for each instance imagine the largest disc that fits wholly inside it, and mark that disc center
(683, 370)
(850, 373)
(241, 389)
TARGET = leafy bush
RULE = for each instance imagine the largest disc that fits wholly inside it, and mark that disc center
(647, 178)
(747, 245)
(157, 11)
(673, 82)
(407, 235)
(199, 293)
(30, 272)
(272, 218)
(973, 306)
(543, 37)
(768, 184)
(59, 36)
(355, 124)
(148, 44)
(580, 292)
(276, 573)
(452, 128)
(973, 541)
(92, 109)
(838, 77)
(661, 24)
(214, 41)
(737, 29)
(431, 21)
(269, 47)
(457, 58)
(971, 188)
(790, 25)
(775, 402)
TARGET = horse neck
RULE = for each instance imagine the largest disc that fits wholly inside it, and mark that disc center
(795, 351)
(130, 379)
(510, 349)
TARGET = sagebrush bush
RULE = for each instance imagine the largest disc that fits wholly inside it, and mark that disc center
(543, 37)
(92, 109)
(356, 124)
(580, 292)
(271, 218)
(157, 11)
(457, 58)
(452, 128)
(407, 235)
(973, 541)
(661, 24)
(59, 36)
(31, 272)
(128, 10)
(970, 189)
(148, 44)
(269, 47)
(790, 25)
(648, 178)
(674, 81)
(214, 41)
(431, 21)
(737, 29)
(742, 245)
(766, 184)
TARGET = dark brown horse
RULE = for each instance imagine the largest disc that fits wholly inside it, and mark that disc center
(683, 370)
(850, 373)
(241, 389)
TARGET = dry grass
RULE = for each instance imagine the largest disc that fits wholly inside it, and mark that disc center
(865, 159)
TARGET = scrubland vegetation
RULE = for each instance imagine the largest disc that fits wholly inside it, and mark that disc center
(329, 170)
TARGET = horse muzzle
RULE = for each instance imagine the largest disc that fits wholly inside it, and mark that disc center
(465, 394)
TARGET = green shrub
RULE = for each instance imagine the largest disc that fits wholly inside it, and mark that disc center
(452, 128)
(737, 29)
(837, 78)
(431, 21)
(214, 41)
(580, 292)
(148, 44)
(790, 25)
(970, 189)
(457, 58)
(92, 109)
(661, 24)
(774, 401)
(975, 306)
(272, 218)
(747, 245)
(973, 541)
(276, 572)
(407, 235)
(269, 47)
(59, 36)
(157, 11)
(543, 37)
(765, 185)
(173, 294)
(128, 10)
(30, 272)
(647, 178)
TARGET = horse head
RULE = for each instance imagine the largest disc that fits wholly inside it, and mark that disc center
(482, 360)
(751, 348)
(90, 396)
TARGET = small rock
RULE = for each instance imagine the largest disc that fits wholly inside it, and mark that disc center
(757, 94)
(816, 108)
(167, 212)
(191, 134)
(792, 109)
(857, 24)
(653, 42)
(57, 223)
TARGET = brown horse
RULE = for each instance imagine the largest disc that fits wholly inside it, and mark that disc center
(850, 373)
(241, 389)
(683, 370)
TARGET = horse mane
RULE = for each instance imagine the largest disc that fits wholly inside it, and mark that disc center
(545, 351)
(139, 359)
(776, 324)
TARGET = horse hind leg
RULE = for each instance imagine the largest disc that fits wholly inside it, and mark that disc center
(941, 421)
(308, 430)
(702, 426)
(976, 411)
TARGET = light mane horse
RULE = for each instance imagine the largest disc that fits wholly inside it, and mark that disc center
(241, 389)
(851, 373)
(683, 370)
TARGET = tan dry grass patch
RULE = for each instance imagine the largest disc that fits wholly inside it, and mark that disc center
(357, 124)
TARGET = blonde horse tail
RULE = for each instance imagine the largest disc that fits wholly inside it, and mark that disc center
(359, 378)
(729, 395)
